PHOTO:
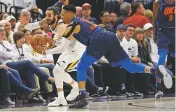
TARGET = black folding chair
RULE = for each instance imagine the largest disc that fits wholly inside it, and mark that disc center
(17, 11)
(3, 6)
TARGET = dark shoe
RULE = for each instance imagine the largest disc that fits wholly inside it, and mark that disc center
(41, 98)
(159, 94)
(103, 91)
(138, 94)
(33, 92)
(119, 94)
(7, 101)
(128, 94)
(81, 102)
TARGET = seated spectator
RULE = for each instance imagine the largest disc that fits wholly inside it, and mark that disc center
(125, 10)
(86, 13)
(9, 32)
(113, 19)
(16, 84)
(25, 68)
(121, 32)
(78, 11)
(149, 37)
(145, 58)
(35, 15)
(20, 48)
(24, 22)
(12, 21)
(149, 14)
(3, 16)
(138, 19)
(105, 21)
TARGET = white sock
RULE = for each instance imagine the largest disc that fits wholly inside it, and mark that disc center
(58, 77)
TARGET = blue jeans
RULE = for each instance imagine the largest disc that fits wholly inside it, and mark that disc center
(27, 70)
(90, 78)
(16, 82)
(49, 66)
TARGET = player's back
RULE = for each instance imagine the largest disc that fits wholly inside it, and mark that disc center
(167, 14)
(87, 29)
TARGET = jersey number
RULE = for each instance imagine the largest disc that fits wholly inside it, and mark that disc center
(170, 17)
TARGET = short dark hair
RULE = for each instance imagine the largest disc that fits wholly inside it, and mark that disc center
(102, 13)
(130, 25)
(70, 8)
(135, 6)
(17, 36)
(54, 9)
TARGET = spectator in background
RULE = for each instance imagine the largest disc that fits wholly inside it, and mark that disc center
(138, 19)
(149, 14)
(121, 32)
(78, 11)
(113, 19)
(86, 13)
(60, 4)
(149, 38)
(35, 15)
(143, 81)
(12, 21)
(9, 32)
(3, 16)
(105, 21)
(125, 10)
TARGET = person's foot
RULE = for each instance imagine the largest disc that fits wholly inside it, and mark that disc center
(138, 94)
(7, 101)
(128, 94)
(32, 93)
(167, 78)
(158, 94)
(103, 90)
(41, 98)
(119, 94)
(73, 94)
(60, 101)
(80, 102)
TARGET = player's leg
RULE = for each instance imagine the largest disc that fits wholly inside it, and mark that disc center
(62, 76)
(85, 62)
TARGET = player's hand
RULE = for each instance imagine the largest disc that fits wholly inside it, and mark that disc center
(4, 66)
(135, 59)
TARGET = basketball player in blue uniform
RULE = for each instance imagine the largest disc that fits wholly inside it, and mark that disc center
(99, 43)
(164, 16)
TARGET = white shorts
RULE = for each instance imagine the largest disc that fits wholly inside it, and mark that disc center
(69, 60)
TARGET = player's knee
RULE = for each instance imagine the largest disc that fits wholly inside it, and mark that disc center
(82, 67)
(57, 69)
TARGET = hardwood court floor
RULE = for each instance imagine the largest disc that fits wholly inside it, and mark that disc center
(166, 103)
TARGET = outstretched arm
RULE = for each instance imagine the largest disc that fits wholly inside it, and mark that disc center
(67, 36)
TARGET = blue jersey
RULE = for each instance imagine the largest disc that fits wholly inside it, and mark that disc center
(87, 29)
(167, 14)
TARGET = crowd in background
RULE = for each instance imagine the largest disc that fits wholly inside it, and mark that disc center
(27, 72)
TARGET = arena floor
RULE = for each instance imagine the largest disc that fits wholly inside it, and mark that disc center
(147, 103)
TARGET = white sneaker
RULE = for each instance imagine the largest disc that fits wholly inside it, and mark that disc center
(167, 79)
(73, 94)
(159, 94)
(60, 101)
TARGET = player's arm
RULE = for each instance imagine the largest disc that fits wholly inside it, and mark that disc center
(155, 14)
(65, 41)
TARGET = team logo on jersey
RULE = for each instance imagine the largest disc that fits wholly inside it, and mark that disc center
(92, 24)
(169, 1)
